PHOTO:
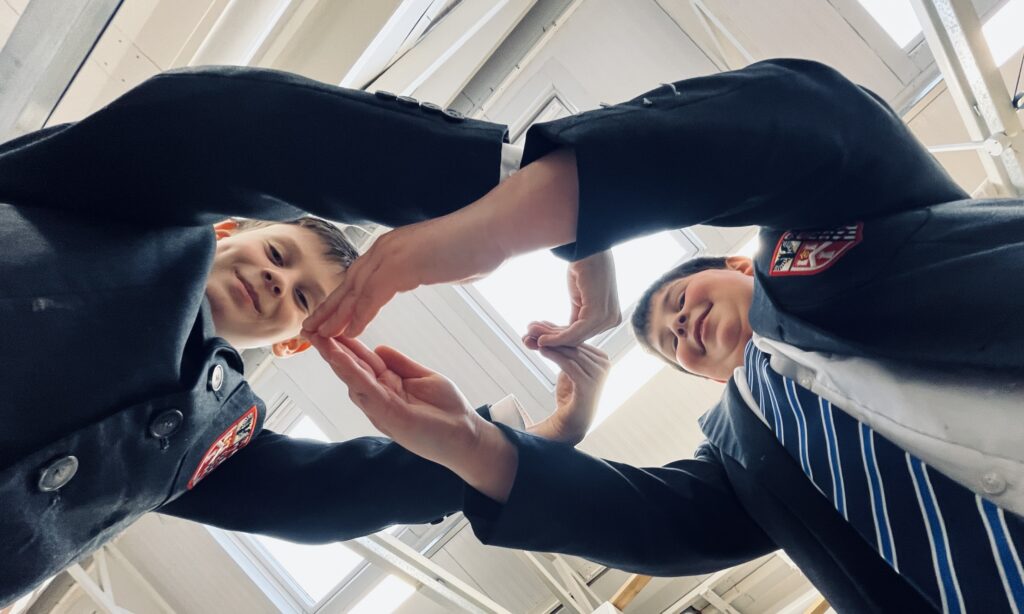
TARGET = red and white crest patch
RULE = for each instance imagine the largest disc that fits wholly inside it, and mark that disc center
(230, 441)
(806, 252)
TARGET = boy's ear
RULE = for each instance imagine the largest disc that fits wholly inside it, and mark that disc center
(290, 347)
(225, 229)
(740, 264)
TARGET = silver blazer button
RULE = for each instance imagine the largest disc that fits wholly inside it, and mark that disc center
(216, 377)
(58, 473)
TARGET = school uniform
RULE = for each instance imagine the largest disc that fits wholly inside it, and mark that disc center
(118, 397)
(869, 252)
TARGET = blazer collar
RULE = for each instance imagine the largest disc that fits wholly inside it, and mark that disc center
(732, 427)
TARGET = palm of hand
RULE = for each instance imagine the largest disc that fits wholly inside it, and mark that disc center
(418, 408)
(565, 391)
(428, 397)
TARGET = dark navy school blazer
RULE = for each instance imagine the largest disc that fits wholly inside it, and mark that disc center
(929, 277)
(108, 355)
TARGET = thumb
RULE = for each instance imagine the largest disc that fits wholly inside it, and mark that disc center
(574, 334)
(401, 364)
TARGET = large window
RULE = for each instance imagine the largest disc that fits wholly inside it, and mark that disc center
(533, 287)
(1002, 29)
(315, 570)
(305, 578)
(896, 16)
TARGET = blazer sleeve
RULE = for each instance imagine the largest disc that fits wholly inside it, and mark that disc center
(312, 492)
(196, 145)
(680, 519)
(784, 144)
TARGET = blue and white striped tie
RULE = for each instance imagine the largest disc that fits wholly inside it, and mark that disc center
(958, 549)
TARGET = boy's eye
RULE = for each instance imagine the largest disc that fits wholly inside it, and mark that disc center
(682, 299)
(275, 256)
(302, 300)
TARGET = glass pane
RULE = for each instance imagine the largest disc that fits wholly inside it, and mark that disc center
(386, 597)
(1002, 30)
(1005, 31)
(316, 569)
(641, 261)
(530, 287)
(896, 17)
(533, 287)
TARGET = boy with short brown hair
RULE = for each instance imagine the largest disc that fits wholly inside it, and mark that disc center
(123, 311)
(872, 350)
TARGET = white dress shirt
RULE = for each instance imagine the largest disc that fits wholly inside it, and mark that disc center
(968, 424)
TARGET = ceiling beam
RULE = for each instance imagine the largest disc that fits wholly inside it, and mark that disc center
(48, 46)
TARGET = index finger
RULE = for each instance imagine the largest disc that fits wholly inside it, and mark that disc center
(364, 353)
(368, 394)
(572, 335)
(350, 285)
(329, 304)
(346, 365)
(358, 281)
(365, 308)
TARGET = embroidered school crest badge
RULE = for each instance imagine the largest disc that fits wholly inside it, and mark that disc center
(806, 252)
(230, 441)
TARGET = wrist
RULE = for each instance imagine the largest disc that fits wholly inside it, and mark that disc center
(490, 465)
(534, 209)
(570, 425)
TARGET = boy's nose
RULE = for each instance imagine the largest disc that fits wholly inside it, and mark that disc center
(273, 284)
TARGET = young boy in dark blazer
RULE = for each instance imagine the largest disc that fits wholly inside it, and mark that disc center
(123, 312)
(874, 276)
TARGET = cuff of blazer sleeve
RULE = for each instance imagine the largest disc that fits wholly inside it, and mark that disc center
(529, 501)
(600, 173)
(510, 412)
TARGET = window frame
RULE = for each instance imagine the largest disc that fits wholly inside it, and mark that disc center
(285, 408)
(615, 342)
(914, 64)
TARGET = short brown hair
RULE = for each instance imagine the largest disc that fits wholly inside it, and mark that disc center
(337, 248)
(641, 319)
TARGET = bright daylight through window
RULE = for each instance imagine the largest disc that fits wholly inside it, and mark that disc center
(316, 569)
(1002, 30)
(533, 287)
(386, 597)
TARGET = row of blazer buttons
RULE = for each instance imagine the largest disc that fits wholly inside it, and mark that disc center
(429, 107)
(59, 472)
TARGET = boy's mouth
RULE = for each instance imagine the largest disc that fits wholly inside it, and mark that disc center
(251, 292)
(699, 328)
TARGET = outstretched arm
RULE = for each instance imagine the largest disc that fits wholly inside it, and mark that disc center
(196, 145)
(534, 494)
(783, 144)
(313, 492)
(533, 209)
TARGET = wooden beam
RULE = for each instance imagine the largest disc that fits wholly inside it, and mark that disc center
(629, 590)
(819, 607)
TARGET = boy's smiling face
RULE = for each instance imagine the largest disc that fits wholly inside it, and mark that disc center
(264, 282)
(702, 321)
